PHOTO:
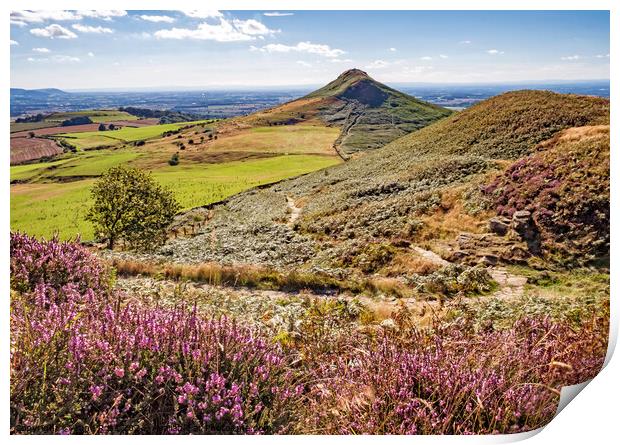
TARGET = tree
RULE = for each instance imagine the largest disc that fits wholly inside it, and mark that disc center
(174, 160)
(101, 127)
(130, 205)
(111, 127)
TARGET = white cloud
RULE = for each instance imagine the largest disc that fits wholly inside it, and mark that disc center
(495, 52)
(90, 54)
(573, 57)
(53, 31)
(104, 14)
(602, 56)
(14, 42)
(277, 14)
(393, 50)
(464, 42)
(304, 64)
(63, 59)
(377, 64)
(157, 18)
(426, 58)
(341, 60)
(252, 27)
(42, 16)
(224, 31)
(92, 29)
(58, 59)
(22, 18)
(304, 47)
(204, 14)
(443, 56)
(41, 50)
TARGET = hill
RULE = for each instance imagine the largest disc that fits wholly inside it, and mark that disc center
(368, 113)
(422, 189)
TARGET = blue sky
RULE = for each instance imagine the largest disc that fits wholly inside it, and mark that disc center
(137, 49)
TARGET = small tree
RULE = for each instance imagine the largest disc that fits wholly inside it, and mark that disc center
(111, 127)
(101, 127)
(130, 205)
(31, 134)
(174, 160)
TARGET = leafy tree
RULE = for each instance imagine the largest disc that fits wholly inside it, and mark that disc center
(130, 205)
(111, 127)
(174, 160)
(101, 127)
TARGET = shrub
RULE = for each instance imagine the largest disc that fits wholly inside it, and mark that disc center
(174, 160)
(566, 187)
(452, 381)
(114, 368)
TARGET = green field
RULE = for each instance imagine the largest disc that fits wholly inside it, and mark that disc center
(291, 139)
(94, 115)
(45, 208)
(92, 139)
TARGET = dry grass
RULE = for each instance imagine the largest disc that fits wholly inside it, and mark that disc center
(410, 262)
(451, 218)
(261, 278)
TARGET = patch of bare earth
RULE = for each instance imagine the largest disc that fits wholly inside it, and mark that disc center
(28, 149)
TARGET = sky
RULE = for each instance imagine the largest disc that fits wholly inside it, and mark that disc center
(116, 49)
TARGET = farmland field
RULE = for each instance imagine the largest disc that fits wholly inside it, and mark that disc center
(281, 139)
(45, 208)
(94, 115)
(92, 139)
(26, 149)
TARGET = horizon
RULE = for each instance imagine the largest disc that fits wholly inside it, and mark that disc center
(181, 88)
(91, 51)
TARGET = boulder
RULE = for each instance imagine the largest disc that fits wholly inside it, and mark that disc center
(499, 225)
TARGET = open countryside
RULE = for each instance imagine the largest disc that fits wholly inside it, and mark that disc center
(381, 236)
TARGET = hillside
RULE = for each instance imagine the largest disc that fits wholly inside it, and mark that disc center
(422, 189)
(368, 113)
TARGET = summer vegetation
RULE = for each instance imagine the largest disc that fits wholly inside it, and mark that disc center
(449, 281)
(110, 365)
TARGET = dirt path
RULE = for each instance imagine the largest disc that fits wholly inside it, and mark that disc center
(431, 256)
(510, 285)
(295, 211)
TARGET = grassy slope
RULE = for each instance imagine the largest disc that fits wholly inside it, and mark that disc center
(280, 139)
(91, 139)
(45, 208)
(386, 193)
(94, 115)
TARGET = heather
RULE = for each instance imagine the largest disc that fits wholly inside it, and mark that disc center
(454, 381)
(565, 186)
(86, 364)
(94, 360)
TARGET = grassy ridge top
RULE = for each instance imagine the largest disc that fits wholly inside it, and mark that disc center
(506, 126)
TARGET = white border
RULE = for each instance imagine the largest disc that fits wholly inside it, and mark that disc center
(591, 418)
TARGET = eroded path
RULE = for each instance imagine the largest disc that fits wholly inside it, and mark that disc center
(510, 285)
(295, 211)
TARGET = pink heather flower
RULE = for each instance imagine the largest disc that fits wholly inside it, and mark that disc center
(96, 391)
(134, 366)
(182, 399)
(119, 372)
